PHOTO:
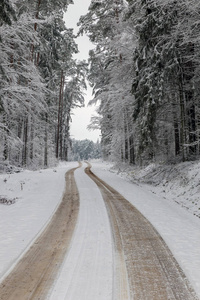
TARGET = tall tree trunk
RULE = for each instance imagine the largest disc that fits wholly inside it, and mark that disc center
(189, 70)
(35, 28)
(182, 121)
(46, 142)
(31, 138)
(176, 138)
(192, 129)
(25, 142)
(62, 129)
(5, 142)
(126, 136)
(132, 151)
(60, 104)
(175, 126)
(19, 135)
(37, 13)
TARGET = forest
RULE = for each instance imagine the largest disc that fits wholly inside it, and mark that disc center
(84, 150)
(144, 70)
(40, 82)
(145, 76)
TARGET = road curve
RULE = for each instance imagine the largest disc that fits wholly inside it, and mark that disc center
(34, 274)
(153, 273)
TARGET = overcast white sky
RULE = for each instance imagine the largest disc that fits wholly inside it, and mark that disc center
(81, 116)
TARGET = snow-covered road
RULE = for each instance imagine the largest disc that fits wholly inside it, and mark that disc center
(22, 222)
(87, 271)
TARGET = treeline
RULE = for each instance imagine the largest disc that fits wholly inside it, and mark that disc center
(40, 82)
(84, 150)
(145, 72)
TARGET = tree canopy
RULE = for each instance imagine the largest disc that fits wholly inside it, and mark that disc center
(145, 75)
(144, 71)
(40, 81)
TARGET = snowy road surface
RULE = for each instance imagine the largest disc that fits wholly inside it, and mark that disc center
(91, 269)
(87, 272)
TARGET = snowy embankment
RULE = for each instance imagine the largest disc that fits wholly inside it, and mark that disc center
(36, 196)
(179, 228)
(178, 183)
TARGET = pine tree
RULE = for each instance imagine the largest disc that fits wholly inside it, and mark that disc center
(164, 76)
(36, 62)
(7, 12)
(110, 76)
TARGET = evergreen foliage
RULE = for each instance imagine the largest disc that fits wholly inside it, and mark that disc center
(7, 12)
(145, 75)
(84, 150)
(144, 70)
(40, 82)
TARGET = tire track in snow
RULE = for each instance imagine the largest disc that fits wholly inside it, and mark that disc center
(87, 271)
(121, 284)
(153, 272)
(34, 274)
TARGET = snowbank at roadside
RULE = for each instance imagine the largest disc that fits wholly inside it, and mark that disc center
(178, 183)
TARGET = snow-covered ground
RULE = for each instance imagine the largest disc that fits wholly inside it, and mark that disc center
(22, 221)
(178, 183)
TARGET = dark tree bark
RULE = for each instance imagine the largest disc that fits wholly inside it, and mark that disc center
(60, 106)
